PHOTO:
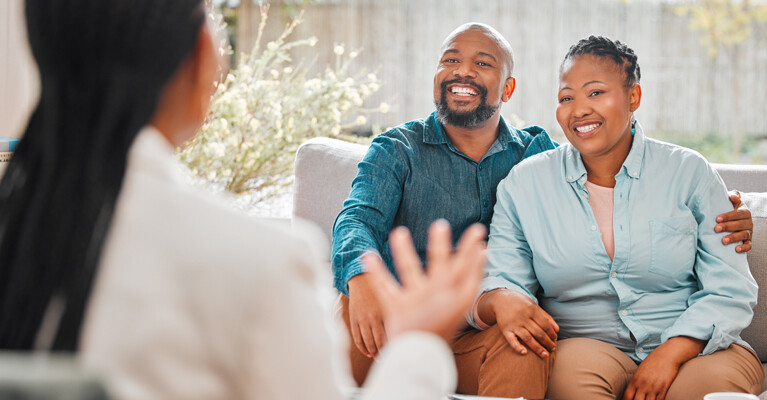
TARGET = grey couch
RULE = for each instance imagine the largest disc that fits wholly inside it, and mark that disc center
(326, 167)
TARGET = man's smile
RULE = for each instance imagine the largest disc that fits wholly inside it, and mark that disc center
(463, 90)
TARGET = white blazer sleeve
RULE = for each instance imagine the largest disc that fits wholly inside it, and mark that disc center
(311, 360)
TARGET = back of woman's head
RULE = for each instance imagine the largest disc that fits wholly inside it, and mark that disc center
(103, 65)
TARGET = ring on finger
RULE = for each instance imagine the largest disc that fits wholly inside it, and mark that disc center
(749, 235)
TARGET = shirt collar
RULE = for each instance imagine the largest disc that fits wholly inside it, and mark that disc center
(435, 134)
(632, 165)
(151, 152)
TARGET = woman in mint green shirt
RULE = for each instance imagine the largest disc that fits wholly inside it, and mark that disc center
(609, 258)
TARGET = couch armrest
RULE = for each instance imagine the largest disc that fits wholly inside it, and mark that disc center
(745, 178)
(757, 262)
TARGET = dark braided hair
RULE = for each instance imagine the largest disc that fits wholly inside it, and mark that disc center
(103, 65)
(614, 49)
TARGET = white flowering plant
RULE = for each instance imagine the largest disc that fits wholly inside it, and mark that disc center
(267, 106)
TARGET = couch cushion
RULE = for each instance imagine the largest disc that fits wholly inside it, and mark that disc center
(757, 260)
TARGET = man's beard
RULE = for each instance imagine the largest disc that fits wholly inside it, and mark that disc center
(470, 119)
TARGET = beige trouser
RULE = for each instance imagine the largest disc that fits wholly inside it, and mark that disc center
(486, 364)
(594, 370)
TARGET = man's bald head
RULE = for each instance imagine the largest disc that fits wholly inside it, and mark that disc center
(491, 33)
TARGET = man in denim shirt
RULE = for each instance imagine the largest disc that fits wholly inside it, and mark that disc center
(447, 166)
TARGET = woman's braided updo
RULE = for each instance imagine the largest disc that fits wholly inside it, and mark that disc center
(617, 51)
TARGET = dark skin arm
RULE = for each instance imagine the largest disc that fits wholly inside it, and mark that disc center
(739, 222)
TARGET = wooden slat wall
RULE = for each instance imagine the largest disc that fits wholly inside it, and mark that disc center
(684, 89)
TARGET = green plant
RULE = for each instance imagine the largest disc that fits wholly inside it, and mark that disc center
(717, 148)
(267, 106)
(722, 23)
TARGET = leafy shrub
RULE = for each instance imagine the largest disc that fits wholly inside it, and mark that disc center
(267, 106)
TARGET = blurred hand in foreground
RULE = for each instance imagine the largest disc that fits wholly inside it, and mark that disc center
(435, 300)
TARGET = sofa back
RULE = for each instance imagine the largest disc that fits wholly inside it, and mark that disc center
(326, 167)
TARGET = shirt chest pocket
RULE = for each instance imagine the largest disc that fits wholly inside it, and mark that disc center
(673, 244)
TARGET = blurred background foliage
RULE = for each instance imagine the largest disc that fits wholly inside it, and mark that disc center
(702, 61)
(270, 103)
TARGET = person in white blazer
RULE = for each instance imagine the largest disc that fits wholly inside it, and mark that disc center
(165, 291)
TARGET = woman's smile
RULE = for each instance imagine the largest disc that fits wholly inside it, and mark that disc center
(586, 129)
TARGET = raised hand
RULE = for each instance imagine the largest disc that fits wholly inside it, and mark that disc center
(436, 300)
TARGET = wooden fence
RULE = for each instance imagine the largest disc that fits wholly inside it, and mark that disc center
(684, 89)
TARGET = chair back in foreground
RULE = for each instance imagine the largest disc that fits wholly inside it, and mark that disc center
(30, 376)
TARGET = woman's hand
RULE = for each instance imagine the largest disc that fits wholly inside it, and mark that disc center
(655, 374)
(521, 320)
(739, 222)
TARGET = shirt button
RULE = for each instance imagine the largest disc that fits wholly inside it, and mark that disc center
(624, 313)
(640, 350)
(569, 177)
(484, 203)
(480, 167)
(636, 174)
(613, 274)
(593, 227)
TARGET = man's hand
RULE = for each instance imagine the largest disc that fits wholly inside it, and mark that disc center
(365, 316)
(739, 222)
(657, 372)
(435, 301)
(521, 320)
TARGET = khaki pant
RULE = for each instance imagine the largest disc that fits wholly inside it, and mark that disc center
(486, 364)
(594, 370)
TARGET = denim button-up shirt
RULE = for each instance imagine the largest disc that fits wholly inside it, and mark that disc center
(413, 175)
(671, 275)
